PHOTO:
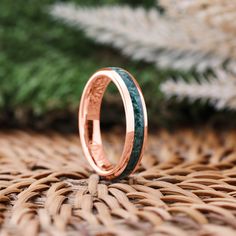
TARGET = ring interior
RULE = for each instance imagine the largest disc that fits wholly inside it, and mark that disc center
(92, 122)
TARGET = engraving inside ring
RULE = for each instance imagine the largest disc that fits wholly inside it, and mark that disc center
(92, 122)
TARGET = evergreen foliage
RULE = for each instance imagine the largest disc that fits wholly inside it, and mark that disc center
(45, 64)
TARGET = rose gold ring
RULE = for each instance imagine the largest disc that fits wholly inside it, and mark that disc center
(136, 122)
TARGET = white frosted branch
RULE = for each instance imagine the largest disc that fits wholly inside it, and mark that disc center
(219, 91)
(219, 14)
(149, 36)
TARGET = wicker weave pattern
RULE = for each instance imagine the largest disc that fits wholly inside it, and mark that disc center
(186, 184)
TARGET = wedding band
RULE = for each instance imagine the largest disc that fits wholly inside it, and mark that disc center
(136, 122)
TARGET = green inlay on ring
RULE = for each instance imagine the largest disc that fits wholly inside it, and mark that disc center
(138, 121)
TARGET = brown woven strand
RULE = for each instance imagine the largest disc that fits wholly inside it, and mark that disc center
(186, 184)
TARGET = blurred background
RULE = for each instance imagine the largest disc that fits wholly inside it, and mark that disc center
(182, 53)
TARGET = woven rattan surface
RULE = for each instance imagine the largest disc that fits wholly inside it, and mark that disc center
(186, 185)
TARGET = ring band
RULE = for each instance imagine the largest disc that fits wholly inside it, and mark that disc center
(136, 122)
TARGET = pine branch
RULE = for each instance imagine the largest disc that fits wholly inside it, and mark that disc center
(216, 13)
(219, 91)
(149, 36)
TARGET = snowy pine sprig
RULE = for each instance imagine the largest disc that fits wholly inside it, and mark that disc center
(219, 90)
(219, 14)
(149, 36)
